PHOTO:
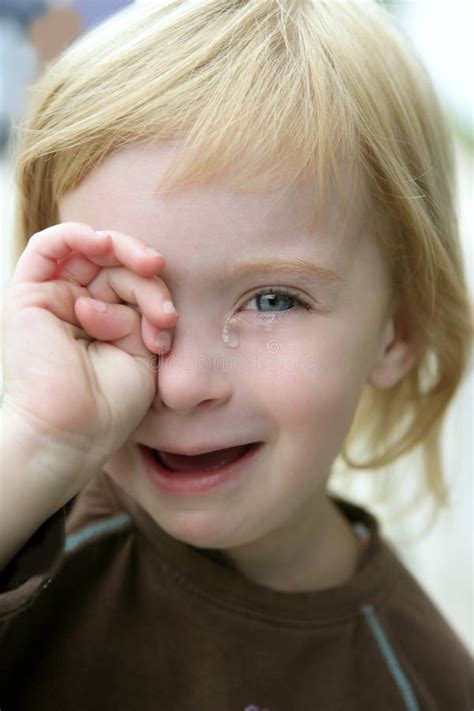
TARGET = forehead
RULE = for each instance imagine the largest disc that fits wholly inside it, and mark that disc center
(121, 193)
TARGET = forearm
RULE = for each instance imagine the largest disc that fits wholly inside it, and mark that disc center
(31, 486)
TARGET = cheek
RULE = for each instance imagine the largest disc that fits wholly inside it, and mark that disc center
(315, 384)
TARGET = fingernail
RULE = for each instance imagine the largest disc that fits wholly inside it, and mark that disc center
(152, 252)
(163, 340)
(169, 307)
(100, 233)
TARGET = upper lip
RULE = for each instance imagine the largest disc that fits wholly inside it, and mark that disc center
(193, 451)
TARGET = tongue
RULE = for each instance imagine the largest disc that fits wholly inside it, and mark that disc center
(200, 462)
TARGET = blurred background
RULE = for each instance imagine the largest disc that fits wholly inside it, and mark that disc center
(33, 32)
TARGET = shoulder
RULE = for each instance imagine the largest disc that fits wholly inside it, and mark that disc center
(86, 533)
(418, 645)
(404, 637)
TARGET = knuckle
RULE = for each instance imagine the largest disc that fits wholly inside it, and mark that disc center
(76, 226)
(108, 276)
(34, 239)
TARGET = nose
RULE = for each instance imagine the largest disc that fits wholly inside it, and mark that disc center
(189, 375)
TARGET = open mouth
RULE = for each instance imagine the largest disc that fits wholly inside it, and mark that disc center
(209, 461)
(181, 475)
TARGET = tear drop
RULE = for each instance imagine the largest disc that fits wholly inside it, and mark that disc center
(230, 334)
(268, 324)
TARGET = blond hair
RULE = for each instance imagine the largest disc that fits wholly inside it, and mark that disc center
(262, 89)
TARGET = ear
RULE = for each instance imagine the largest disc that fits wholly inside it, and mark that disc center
(397, 354)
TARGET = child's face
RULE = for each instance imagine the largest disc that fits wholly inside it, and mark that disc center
(295, 387)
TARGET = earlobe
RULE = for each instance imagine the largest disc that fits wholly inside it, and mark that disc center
(396, 357)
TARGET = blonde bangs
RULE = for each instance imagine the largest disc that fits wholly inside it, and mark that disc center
(231, 84)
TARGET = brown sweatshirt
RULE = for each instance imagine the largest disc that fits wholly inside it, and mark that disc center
(102, 610)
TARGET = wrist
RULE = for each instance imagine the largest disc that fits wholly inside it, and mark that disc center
(36, 465)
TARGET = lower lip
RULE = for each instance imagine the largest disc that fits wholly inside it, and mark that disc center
(195, 482)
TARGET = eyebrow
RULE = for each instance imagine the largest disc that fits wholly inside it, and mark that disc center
(298, 266)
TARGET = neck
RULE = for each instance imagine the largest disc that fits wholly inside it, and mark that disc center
(317, 550)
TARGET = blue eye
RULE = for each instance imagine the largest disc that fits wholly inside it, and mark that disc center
(269, 299)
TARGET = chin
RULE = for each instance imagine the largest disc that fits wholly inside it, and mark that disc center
(201, 529)
(197, 529)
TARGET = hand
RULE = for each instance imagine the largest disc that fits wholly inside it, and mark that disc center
(78, 376)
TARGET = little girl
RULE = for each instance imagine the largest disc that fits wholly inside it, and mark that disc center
(237, 259)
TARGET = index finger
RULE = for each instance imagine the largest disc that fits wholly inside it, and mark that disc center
(39, 260)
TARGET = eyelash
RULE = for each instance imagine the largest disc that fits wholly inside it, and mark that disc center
(284, 292)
